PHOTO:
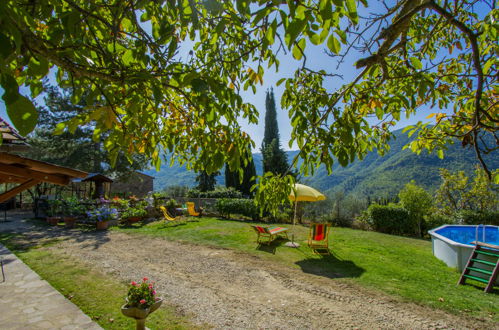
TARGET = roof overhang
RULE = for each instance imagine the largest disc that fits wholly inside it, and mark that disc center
(28, 172)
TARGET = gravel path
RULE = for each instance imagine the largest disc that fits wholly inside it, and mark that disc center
(232, 290)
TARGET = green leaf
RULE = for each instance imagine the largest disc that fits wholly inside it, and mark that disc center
(199, 85)
(11, 89)
(352, 10)
(416, 63)
(333, 44)
(38, 68)
(299, 49)
(6, 47)
(23, 115)
(127, 57)
(440, 153)
(316, 39)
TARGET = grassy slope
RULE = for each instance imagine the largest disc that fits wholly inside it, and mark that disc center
(395, 265)
(98, 295)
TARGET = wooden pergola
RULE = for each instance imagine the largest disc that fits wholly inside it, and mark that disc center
(29, 172)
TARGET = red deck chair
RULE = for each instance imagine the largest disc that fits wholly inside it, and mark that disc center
(318, 238)
(270, 233)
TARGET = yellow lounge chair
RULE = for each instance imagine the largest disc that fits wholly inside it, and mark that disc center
(167, 215)
(269, 233)
(192, 210)
(318, 238)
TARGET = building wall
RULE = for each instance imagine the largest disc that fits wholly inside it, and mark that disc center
(137, 184)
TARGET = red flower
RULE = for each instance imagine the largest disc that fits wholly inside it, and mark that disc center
(142, 301)
(150, 286)
(134, 283)
(145, 279)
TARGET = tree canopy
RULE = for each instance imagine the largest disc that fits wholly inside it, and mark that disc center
(124, 58)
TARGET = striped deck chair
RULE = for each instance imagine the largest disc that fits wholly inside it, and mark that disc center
(318, 238)
(192, 210)
(270, 233)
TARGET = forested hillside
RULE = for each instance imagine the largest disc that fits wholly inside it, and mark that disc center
(373, 176)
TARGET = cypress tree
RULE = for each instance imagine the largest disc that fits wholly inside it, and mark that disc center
(206, 182)
(275, 159)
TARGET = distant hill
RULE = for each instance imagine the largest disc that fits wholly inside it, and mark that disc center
(374, 175)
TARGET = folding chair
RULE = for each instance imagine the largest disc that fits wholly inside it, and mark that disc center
(318, 238)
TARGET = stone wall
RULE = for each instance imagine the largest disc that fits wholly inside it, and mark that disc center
(137, 184)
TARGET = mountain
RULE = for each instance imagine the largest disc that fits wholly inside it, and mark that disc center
(373, 176)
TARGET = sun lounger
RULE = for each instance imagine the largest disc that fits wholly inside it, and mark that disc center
(318, 238)
(167, 215)
(192, 210)
(269, 233)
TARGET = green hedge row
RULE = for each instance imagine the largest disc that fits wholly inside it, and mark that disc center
(228, 206)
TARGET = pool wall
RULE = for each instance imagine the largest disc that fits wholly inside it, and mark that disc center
(454, 254)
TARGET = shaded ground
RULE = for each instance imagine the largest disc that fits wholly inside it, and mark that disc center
(231, 290)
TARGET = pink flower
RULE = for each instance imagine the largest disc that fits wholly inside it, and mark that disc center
(142, 301)
(153, 292)
(150, 286)
(145, 279)
(134, 283)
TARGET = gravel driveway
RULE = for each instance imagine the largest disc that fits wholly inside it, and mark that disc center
(233, 290)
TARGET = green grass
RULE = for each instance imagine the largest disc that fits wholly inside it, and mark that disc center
(399, 266)
(98, 295)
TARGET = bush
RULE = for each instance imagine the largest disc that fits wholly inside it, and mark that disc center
(435, 220)
(470, 217)
(228, 206)
(219, 192)
(390, 219)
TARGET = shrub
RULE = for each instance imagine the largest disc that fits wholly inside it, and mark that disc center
(471, 217)
(389, 219)
(219, 192)
(434, 220)
(228, 206)
(141, 295)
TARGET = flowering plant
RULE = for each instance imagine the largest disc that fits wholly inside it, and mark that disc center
(141, 295)
(103, 214)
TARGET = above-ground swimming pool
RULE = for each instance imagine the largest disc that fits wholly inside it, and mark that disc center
(453, 243)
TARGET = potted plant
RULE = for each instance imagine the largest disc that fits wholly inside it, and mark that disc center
(102, 216)
(134, 213)
(141, 301)
(54, 211)
(72, 209)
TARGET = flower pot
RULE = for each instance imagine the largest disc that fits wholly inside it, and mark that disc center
(133, 219)
(70, 221)
(102, 225)
(140, 314)
(53, 220)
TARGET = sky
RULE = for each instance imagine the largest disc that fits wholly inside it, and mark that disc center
(316, 59)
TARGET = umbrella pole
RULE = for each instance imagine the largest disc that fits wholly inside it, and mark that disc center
(293, 244)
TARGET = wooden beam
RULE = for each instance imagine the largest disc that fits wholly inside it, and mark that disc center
(30, 174)
(4, 178)
(16, 190)
(40, 166)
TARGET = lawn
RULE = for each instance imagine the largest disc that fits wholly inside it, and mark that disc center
(399, 266)
(95, 293)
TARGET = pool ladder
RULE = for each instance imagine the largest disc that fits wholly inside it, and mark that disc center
(483, 233)
(481, 263)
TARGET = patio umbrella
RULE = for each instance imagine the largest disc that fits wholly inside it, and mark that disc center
(303, 193)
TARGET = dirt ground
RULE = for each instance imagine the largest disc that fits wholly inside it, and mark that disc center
(227, 289)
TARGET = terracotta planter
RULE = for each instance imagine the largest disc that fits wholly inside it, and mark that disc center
(140, 314)
(53, 220)
(133, 219)
(70, 221)
(102, 225)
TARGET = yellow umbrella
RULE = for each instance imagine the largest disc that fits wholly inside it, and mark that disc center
(305, 194)
(302, 193)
